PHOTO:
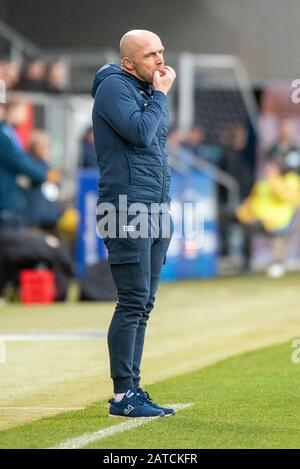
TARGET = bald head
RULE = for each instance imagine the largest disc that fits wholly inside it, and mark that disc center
(134, 40)
(141, 53)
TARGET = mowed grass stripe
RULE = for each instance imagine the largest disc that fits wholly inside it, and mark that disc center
(194, 324)
(248, 401)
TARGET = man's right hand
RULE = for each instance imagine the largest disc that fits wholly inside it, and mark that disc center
(162, 81)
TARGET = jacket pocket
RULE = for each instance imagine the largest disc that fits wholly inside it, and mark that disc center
(129, 167)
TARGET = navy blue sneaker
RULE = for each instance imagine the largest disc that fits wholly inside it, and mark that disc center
(133, 405)
(167, 410)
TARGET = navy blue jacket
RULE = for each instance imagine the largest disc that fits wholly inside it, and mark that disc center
(130, 123)
(13, 162)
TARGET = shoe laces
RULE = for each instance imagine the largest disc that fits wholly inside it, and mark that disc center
(137, 398)
(131, 399)
(146, 396)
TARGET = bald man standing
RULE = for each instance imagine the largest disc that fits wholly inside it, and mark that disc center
(130, 123)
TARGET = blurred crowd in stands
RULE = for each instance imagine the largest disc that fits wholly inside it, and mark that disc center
(272, 206)
(37, 228)
(34, 76)
(269, 192)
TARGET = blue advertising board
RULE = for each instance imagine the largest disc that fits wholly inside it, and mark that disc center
(192, 256)
(189, 256)
(89, 247)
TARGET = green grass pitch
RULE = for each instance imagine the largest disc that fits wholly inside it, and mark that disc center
(224, 345)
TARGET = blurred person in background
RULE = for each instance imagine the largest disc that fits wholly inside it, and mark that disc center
(19, 248)
(194, 142)
(234, 160)
(2, 70)
(34, 76)
(234, 139)
(178, 154)
(88, 156)
(57, 78)
(10, 72)
(14, 162)
(15, 116)
(270, 208)
(285, 152)
(42, 208)
(194, 139)
(2, 113)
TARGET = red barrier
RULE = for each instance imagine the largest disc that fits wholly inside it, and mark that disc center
(37, 286)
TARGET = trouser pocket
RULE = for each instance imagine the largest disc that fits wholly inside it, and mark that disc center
(124, 268)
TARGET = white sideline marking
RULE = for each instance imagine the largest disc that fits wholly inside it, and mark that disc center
(88, 438)
(41, 408)
(43, 336)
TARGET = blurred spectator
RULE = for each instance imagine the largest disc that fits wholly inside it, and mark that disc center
(179, 155)
(88, 157)
(271, 207)
(15, 116)
(10, 72)
(14, 162)
(34, 77)
(43, 210)
(194, 139)
(2, 70)
(57, 78)
(234, 139)
(2, 112)
(67, 226)
(233, 158)
(284, 151)
(195, 143)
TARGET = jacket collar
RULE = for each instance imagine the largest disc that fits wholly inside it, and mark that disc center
(144, 85)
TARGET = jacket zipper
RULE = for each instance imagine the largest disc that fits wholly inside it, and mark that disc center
(164, 166)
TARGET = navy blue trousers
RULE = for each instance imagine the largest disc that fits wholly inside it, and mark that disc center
(136, 265)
